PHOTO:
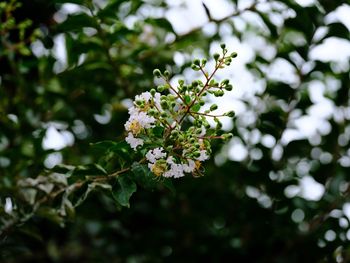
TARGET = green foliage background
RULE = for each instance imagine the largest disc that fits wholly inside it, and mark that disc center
(207, 219)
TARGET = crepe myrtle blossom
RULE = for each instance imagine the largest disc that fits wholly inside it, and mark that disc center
(168, 125)
(8, 205)
(132, 141)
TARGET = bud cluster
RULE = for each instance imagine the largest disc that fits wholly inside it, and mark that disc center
(159, 121)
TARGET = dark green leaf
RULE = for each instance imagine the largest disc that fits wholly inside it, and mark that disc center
(124, 190)
(143, 176)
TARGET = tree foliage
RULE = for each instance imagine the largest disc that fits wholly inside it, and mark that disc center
(244, 209)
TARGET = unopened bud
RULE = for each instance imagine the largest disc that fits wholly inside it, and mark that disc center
(213, 107)
(166, 73)
(157, 73)
(227, 136)
(230, 114)
(234, 54)
(160, 88)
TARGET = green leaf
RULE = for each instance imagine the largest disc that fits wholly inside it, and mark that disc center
(168, 183)
(158, 131)
(187, 99)
(104, 145)
(160, 22)
(76, 22)
(91, 187)
(90, 169)
(124, 190)
(143, 176)
(62, 168)
(111, 9)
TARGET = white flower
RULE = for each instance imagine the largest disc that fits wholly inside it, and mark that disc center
(132, 141)
(8, 205)
(190, 167)
(138, 120)
(146, 96)
(203, 132)
(203, 156)
(153, 155)
(176, 170)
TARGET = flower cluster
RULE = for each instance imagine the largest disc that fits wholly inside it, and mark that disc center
(169, 125)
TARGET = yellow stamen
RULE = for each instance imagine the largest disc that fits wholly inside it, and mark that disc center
(135, 127)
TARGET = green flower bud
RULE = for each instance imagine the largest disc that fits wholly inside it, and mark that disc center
(164, 114)
(229, 87)
(225, 82)
(230, 114)
(201, 102)
(195, 83)
(196, 154)
(218, 125)
(204, 61)
(234, 54)
(152, 112)
(181, 82)
(216, 56)
(213, 107)
(223, 46)
(171, 97)
(227, 136)
(160, 88)
(196, 62)
(164, 104)
(166, 73)
(169, 148)
(194, 67)
(218, 93)
(139, 102)
(157, 73)
(174, 133)
(153, 92)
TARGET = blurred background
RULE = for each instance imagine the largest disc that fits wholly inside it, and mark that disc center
(277, 192)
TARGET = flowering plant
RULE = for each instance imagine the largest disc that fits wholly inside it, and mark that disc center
(166, 125)
(156, 124)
